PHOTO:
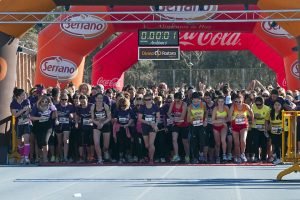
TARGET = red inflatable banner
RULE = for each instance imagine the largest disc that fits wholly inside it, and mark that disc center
(62, 48)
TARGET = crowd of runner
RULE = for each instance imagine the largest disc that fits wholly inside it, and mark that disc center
(148, 125)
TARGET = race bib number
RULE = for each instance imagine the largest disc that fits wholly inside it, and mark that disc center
(23, 121)
(209, 120)
(198, 123)
(44, 119)
(87, 122)
(259, 126)
(123, 120)
(170, 121)
(276, 130)
(100, 115)
(240, 120)
(149, 119)
(63, 120)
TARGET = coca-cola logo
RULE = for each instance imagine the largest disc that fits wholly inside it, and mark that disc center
(58, 68)
(276, 30)
(186, 11)
(212, 39)
(86, 26)
(112, 83)
(3, 68)
(295, 69)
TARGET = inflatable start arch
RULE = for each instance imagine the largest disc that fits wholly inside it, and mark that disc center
(62, 48)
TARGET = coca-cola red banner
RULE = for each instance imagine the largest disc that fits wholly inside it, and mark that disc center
(104, 60)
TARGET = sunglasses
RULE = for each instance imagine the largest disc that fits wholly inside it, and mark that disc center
(258, 104)
(139, 99)
(138, 104)
(148, 99)
(238, 101)
(64, 99)
(265, 96)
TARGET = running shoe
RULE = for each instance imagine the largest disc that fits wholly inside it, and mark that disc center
(175, 158)
(218, 160)
(229, 157)
(27, 161)
(106, 156)
(135, 159)
(187, 159)
(243, 158)
(162, 160)
(22, 161)
(224, 158)
(100, 161)
(237, 160)
(277, 161)
(52, 159)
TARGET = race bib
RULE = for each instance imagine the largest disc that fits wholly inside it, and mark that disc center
(170, 121)
(100, 115)
(240, 120)
(149, 119)
(44, 119)
(23, 121)
(63, 120)
(198, 123)
(123, 120)
(86, 121)
(259, 126)
(276, 130)
(209, 120)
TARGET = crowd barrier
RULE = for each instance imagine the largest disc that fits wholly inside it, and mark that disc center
(289, 148)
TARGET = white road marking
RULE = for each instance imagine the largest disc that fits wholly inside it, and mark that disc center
(237, 188)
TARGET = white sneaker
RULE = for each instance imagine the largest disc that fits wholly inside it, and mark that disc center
(27, 161)
(106, 156)
(218, 160)
(175, 158)
(22, 161)
(224, 157)
(162, 160)
(229, 157)
(135, 159)
(277, 161)
(243, 158)
(52, 159)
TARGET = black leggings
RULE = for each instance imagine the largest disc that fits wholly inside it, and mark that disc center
(198, 137)
(160, 144)
(276, 142)
(123, 141)
(86, 136)
(259, 140)
(43, 131)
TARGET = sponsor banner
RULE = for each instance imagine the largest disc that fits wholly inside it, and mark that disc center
(3, 68)
(93, 27)
(111, 83)
(210, 39)
(186, 11)
(59, 68)
(295, 69)
(158, 53)
(275, 30)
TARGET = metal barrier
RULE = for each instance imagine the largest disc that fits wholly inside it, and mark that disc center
(5, 139)
(289, 147)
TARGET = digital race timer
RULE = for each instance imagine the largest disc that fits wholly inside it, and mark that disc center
(165, 37)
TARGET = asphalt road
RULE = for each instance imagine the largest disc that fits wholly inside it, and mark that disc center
(148, 183)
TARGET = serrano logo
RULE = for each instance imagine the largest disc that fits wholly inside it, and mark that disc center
(295, 69)
(276, 31)
(58, 68)
(90, 26)
(211, 39)
(113, 83)
(186, 11)
(3, 68)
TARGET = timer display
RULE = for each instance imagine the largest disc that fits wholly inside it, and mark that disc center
(158, 37)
